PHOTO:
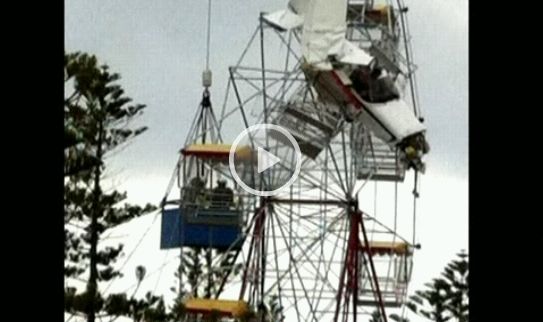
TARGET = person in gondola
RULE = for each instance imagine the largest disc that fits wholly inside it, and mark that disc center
(193, 193)
(382, 88)
(222, 196)
(360, 78)
(373, 85)
(414, 148)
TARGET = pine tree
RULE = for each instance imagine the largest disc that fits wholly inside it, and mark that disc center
(456, 275)
(97, 117)
(202, 276)
(376, 317)
(446, 298)
(275, 309)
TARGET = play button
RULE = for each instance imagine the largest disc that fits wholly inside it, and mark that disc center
(266, 160)
(275, 162)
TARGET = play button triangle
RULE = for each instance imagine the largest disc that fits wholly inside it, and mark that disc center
(266, 160)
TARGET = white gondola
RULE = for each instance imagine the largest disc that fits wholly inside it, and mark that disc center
(311, 123)
(393, 264)
(374, 159)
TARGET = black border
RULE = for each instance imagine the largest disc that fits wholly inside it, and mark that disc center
(504, 244)
(33, 151)
(505, 263)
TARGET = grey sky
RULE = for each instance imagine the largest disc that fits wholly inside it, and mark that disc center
(158, 47)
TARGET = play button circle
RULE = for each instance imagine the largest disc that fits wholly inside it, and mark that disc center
(275, 163)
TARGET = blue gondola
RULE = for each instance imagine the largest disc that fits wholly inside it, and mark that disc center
(218, 229)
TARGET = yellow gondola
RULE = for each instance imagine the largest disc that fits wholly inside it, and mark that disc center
(224, 308)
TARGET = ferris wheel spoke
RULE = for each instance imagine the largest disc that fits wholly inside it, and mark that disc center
(243, 73)
(298, 257)
(288, 45)
(303, 221)
(283, 89)
(306, 252)
(322, 166)
(315, 183)
(338, 171)
(311, 211)
(261, 90)
(346, 168)
(387, 229)
(329, 268)
(276, 258)
(301, 281)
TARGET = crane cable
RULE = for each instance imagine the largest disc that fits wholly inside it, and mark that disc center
(178, 166)
(208, 32)
(416, 195)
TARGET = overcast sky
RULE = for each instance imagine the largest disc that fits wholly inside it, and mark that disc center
(158, 47)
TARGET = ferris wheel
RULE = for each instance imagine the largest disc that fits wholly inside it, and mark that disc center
(339, 77)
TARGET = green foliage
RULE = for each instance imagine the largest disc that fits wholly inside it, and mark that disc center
(149, 309)
(446, 297)
(203, 278)
(95, 109)
(97, 121)
(178, 310)
(80, 302)
(192, 269)
(397, 318)
(456, 274)
(275, 309)
(376, 317)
